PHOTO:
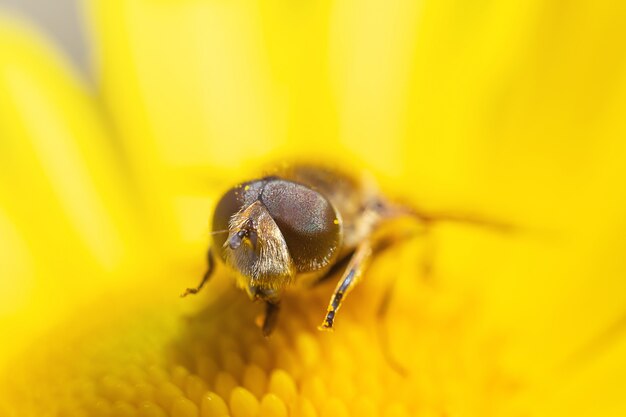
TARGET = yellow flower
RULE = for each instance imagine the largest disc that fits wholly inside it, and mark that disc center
(509, 109)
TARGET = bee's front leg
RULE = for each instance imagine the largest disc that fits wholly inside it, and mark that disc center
(272, 308)
(349, 279)
(205, 277)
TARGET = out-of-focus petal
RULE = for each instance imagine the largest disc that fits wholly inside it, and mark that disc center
(189, 88)
(66, 213)
(373, 53)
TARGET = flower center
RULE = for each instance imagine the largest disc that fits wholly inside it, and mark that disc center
(428, 355)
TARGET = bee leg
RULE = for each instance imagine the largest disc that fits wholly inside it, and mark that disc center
(428, 254)
(349, 279)
(383, 334)
(272, 308)
(205, 277)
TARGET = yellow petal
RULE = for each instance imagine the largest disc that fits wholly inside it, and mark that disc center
(65, 209)
(200, 99)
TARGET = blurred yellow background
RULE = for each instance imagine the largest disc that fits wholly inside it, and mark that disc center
(511, 109)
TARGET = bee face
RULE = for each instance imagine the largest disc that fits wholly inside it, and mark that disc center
(257, 250)
(277, 228)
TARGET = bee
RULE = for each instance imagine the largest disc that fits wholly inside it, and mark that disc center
(303, 224)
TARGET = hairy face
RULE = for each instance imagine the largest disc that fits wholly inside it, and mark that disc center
(257, 250)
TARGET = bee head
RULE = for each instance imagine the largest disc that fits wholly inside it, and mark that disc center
(276, 228)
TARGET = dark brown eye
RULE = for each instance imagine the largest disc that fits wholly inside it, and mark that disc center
(240, 196)
(307, 221)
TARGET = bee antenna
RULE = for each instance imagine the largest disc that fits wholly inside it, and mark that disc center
(217, 232)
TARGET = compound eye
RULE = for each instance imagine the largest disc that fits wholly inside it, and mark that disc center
(307, 220)
(231, 203)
